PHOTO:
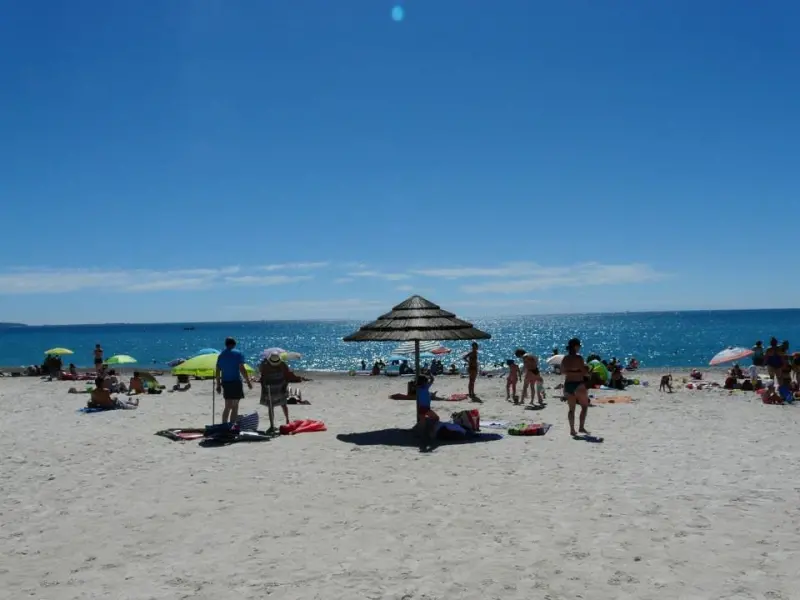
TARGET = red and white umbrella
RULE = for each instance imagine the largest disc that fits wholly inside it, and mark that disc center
(730, 355)
(441, 350)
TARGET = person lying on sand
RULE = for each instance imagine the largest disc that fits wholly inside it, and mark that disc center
(102, 398)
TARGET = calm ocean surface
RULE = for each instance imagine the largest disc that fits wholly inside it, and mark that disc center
(673, 339)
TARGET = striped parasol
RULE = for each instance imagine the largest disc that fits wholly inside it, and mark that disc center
(407, 348)
(730, 354)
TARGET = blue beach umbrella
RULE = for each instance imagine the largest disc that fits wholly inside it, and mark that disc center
(207, 351)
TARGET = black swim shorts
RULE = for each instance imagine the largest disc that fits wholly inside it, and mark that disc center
(232, 390)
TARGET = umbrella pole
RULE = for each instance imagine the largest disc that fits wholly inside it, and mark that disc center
(213, 398)
(416, 373)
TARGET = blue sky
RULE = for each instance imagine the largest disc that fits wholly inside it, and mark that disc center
(226, 160)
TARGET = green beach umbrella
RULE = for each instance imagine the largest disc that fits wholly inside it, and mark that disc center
(58, 351)
(203, 366)
(120, 359)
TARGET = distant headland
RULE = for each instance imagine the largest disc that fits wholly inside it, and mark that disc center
(11, 325)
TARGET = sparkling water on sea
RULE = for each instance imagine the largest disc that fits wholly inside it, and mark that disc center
(674, 339)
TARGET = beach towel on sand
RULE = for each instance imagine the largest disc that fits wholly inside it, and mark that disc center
(451, 398)
(222, 434)
(529, 429)
(304, 426)
(612, 400)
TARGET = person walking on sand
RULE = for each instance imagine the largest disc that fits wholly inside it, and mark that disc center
(511, 380)
(575, 373)
(229, 373)
(472, 371)
(98, 358)
(532, 376)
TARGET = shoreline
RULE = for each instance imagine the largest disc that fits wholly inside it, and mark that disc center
(345, 375)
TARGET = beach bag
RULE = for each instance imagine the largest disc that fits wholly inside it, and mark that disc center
(248, 422)
(223, 432)
(468, 419)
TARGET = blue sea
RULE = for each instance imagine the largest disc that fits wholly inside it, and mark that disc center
(663, 339)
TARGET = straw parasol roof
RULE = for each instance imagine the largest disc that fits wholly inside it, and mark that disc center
(417, 319)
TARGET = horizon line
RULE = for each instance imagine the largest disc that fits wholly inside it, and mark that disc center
(15, 325)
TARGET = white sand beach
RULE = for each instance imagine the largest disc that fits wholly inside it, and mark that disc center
(692, 495)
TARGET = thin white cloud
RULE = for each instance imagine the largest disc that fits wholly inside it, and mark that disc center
(379, 275)
(530, 278)
(341, 280)
(522, 302)
(186, 283)
(355, 308)
(257, 280)
(405, 288)
(58, 281)
(298, 266)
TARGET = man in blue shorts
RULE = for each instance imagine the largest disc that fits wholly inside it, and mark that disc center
(230, 370)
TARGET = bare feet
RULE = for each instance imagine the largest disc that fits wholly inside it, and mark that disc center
(583, 430)
(573, 434)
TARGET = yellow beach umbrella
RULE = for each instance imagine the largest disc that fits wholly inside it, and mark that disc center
(120, 359)
(58, 351)
(202, 366)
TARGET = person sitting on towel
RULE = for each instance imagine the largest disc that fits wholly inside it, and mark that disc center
(102, 398)
(771, 396)
(426, 417)
(136, 384)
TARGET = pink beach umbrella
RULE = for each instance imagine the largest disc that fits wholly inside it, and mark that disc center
(730, 355)
(441, 350)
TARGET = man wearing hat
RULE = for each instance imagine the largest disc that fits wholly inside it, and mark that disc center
(230, 370)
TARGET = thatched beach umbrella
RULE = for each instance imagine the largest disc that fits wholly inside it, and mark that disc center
(417, 319)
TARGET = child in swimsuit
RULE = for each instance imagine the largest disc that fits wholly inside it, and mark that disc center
(511, 381)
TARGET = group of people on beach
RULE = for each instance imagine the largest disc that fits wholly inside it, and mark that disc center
(231, 376)
(577, 380)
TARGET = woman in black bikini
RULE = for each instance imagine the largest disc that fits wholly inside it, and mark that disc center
(574, 369)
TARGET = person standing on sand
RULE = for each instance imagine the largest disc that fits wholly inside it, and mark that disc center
(575, 372)
(472, 371)
(511, 380)
(530, 365)
(772, 357)
(229, 373)
(98, 358)
(758, 354)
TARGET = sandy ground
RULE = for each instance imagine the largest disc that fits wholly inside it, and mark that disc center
(692, 495)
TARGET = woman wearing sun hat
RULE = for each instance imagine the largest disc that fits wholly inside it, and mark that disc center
(274, 386)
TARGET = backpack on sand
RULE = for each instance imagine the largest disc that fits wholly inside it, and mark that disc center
(468, 419)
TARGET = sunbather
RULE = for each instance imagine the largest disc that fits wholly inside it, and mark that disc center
(102, 398)
(136, 384)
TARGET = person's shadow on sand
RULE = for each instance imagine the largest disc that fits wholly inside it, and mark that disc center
(406, 438)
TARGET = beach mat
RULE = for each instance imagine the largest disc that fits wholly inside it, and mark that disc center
(529, 429)
(612, 400)
(89, 411)
(451, 398)
(182, 435)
